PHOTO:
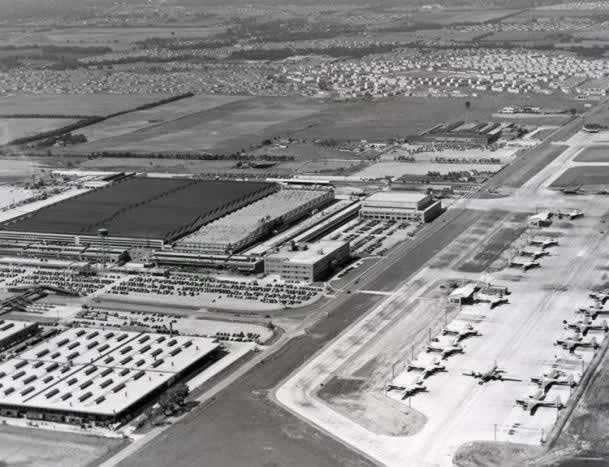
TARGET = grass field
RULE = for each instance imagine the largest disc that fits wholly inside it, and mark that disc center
(134, 121)
(13, 128)
(119, 38)
(592, 175)
(33, 447)
(225, 128)
(593, 154)
(17, 168)
(62, 104)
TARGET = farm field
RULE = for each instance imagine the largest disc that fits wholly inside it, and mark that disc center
(28, 447)
(117, 38)
(13, 128)
(593, 154)
(134, 121)
(63, 104)
(13, 169)
(225, 128)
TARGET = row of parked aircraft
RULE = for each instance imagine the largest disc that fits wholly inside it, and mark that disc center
(581, 328)
(435, 365)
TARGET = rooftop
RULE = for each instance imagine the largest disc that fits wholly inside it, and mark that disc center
(314, 252)
(9, 328)
(398, 196)
(96, 371)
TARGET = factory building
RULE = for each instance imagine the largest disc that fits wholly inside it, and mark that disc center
(85, 375)
(401, 206)
(309, 262)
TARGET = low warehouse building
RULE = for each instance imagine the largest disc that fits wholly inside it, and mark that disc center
(94, 375)
(401, 206)
(307, 262)
(15, 331)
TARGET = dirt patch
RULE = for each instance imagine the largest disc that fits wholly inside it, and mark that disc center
(340, 387)
(379, 414)
(489, 454)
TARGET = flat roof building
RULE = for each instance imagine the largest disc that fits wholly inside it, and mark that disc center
(308, 262)
(85, 374)
(14, 331)
(400, 206)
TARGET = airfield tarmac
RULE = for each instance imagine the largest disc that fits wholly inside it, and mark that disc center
(518, 335)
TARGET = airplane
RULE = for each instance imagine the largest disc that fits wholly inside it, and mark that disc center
(445, 350)
(571, 343)
(532, 403)
(603, 191)
(544, 242)
(493, 374)
(554, 377)
(461, 334)
(592, 311)
(427, 369)
(523, 263)
(409, 389)
(602, 297)
(582, 327)
(575, 190)
(534, 253)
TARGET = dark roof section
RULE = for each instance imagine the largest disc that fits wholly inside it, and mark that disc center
(154, 208)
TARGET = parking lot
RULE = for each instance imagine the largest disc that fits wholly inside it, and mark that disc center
(369, 237)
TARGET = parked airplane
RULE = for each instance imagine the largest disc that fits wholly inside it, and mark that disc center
(577, 340)
(532, 403)
(543, 242)
(445, 350)
(493, 374)
(427, 369)
(461, 334)
(600, 296)
(554, 377)
(592, 311)
(583, 326)
(409, 389)
(575, 190)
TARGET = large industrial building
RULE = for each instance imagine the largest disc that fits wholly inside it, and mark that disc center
(140, 211)
(307, 262)
(93, 375)
(400, 206)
